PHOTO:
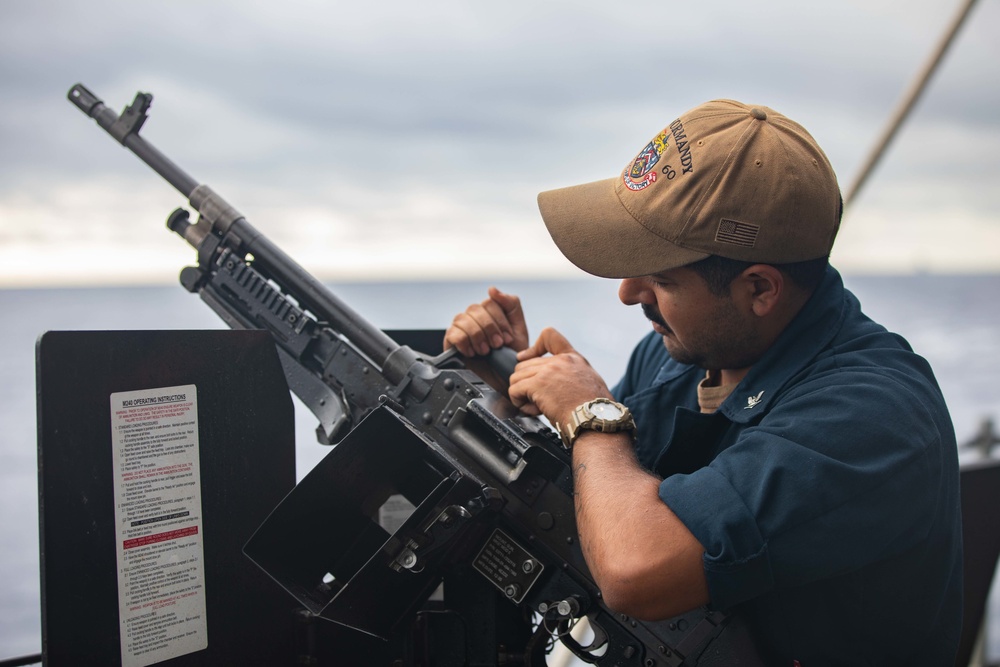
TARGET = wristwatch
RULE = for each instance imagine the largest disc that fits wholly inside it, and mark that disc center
(600, 414)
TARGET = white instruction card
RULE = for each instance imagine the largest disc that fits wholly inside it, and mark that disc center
(161, 569)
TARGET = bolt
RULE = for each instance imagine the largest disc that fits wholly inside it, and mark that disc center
(568, 607)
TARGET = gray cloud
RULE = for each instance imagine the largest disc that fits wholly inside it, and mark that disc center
(360, 111)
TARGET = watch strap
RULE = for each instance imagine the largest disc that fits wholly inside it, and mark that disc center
(583, 419)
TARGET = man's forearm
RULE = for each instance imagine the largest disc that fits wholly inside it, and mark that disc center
(646, 562)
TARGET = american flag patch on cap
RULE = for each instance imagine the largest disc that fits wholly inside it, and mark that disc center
(737, 233)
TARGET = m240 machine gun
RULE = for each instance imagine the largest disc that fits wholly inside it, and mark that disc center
(482, 485)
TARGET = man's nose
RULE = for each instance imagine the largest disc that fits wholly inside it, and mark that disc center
(634, 291)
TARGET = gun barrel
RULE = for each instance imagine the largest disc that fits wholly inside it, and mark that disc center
(311, 294)
(125, 130)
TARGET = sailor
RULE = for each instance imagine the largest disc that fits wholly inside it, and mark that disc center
(770, 450)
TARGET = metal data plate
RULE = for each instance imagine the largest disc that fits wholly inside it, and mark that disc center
(508, 566)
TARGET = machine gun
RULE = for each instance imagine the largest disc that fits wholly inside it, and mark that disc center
(483, 486)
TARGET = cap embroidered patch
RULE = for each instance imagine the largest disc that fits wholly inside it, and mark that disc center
(737, 233)
(641, 174)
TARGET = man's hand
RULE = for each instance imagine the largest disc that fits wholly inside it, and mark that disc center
(552, 378)
(496, 322)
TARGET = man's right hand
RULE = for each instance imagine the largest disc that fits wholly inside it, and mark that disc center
(496, 322)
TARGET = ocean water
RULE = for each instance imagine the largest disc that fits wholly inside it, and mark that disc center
(953, 321)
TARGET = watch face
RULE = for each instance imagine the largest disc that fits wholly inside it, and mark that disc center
(606, 410)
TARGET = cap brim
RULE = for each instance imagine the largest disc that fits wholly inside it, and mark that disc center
(596, 232)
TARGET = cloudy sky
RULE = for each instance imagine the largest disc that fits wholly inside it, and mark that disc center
(391, 139)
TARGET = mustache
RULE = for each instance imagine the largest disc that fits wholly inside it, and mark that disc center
(653, 315)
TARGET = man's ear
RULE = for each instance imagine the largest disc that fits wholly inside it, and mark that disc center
(762, 286)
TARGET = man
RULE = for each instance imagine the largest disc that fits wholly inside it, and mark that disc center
(790, 460)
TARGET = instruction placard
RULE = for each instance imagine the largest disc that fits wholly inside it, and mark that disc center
(161, 571)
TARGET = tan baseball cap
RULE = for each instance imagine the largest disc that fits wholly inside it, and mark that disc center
(725, 179)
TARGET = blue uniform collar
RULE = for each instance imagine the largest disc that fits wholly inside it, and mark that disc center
(804, 338)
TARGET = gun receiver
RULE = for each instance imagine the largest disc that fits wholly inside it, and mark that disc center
(489, 487)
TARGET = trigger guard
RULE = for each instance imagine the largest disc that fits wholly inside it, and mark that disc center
(582, 652)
